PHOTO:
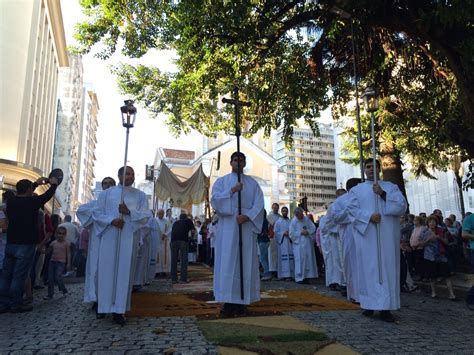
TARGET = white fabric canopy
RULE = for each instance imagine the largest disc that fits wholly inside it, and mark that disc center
(184, 193)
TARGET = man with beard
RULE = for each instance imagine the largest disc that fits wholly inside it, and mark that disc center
(119, 221)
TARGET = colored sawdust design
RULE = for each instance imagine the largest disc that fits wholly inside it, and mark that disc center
(200, 279)
(264, 339)
(202, 305)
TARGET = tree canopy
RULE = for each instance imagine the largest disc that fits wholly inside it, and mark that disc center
(293, 59)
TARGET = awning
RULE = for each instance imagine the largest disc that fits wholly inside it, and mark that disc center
(184, 193)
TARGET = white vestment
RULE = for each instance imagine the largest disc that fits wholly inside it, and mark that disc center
(153, 229)
(341, 217)
(361, 205)
(272, 218)
(286, 259)
(143, 257)
(303, 249)
(332, 249)
(105, 212)
(226, 266)
(84, 215)
(163, 256)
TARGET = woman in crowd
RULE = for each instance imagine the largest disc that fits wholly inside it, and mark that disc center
(415, 243)
(435, 263)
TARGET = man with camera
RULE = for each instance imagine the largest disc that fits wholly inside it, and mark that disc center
(22, 237)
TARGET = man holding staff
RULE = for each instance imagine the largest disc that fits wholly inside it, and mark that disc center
(227, 278)
(370, 204)
(114, 219)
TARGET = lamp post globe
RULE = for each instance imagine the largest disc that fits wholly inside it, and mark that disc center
(371, 100)
(129, 113)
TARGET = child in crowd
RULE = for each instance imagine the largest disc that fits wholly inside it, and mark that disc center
(60, 261)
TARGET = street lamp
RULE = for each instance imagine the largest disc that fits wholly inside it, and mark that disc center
(129, 113)
(371, 100)
(371, 103)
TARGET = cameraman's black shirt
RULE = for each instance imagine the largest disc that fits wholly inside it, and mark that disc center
(22, 214)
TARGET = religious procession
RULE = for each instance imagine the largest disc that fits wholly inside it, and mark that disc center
(236, 177)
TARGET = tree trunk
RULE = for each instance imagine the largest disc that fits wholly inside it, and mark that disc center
(461, 199)
(392, 166)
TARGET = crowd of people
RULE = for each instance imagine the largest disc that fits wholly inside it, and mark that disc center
(366, 247)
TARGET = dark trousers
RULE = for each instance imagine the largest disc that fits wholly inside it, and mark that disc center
(179, 247)
(56, 271)
(403, 269)
(202, 253)
(418, 255)
(16, 267)
(33, 267)
(319, 259)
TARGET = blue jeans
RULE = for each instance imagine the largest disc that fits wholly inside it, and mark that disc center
(179, 247)
(55, 274)
(16, 266)
(263, 248)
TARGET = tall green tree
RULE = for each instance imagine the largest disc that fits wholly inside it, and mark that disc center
(293, 59)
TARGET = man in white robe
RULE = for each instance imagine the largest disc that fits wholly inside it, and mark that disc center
(272, 218)
(301, 233)
(163, 235)
(152, 229)
(227, 276)
(143, 258)
(119, 222)
(286, 259)
(342, 218)
(332, 249)
(84, 215)
(375, 295)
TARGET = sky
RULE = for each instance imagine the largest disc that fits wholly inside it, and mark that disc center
(149, 132)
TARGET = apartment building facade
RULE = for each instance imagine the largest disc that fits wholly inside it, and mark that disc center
(309, 165)
(33, 47)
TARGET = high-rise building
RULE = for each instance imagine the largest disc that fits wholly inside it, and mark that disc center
(33, 48)
(87, 145)
(68, 131)
(309, 165)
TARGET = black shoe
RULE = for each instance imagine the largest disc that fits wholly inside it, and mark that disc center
(333, 287)
(94, 306)
(100, 315)
(4, 310)
(368, 313)
(240, 310)
(228, 310)
(387, 316)
(21, 309)
(118, 318)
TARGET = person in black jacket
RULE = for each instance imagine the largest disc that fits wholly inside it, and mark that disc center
(22, 237)
(180, 234)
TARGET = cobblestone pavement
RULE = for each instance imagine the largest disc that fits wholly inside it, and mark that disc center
(66, 325)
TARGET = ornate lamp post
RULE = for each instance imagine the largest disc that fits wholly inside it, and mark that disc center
(129, 114)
